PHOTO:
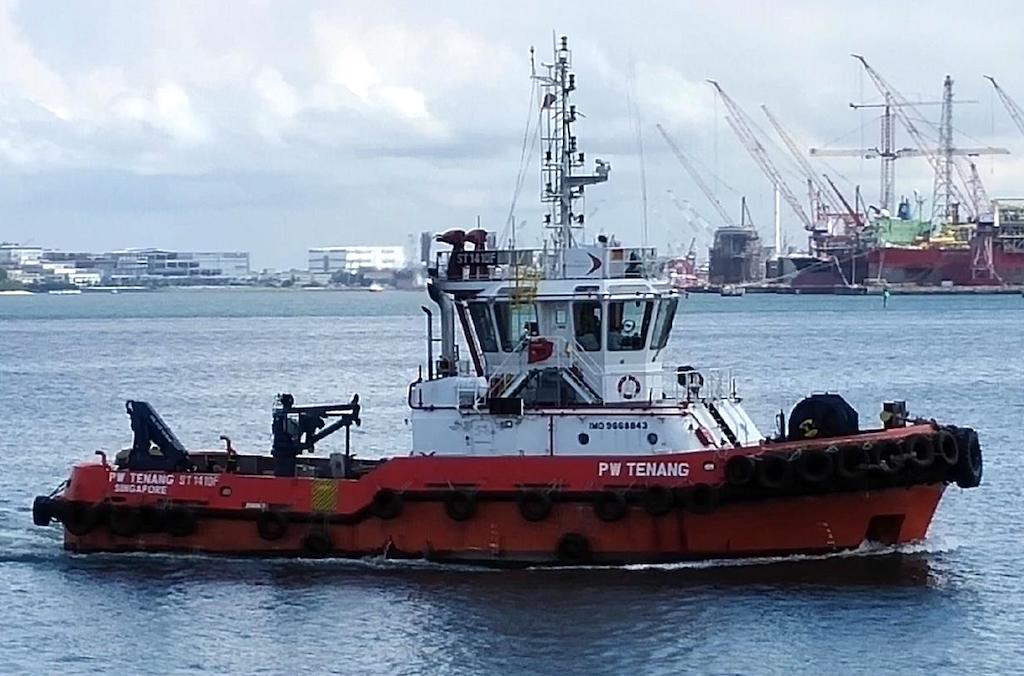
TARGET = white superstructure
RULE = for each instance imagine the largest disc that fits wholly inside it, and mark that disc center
(565, 343)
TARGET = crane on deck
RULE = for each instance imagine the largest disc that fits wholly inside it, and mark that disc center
(1011, 106)
(742, 126)
(697, 178)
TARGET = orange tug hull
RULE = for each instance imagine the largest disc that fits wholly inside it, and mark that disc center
(594, 509)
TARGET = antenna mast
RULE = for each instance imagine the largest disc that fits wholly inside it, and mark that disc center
(560, 187)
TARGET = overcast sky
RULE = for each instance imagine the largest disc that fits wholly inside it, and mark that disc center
(275, 126)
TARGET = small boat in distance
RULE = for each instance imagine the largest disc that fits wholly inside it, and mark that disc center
(732, 291)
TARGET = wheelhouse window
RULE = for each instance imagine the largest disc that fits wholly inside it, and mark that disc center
(663, 323)
(515, 322)
(480, 313)
(586, 319)
(628, 322)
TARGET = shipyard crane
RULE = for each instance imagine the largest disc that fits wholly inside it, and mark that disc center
(887, 151)
(1011, 106)
(697, 178)
(900, 110)
(698, 224)
(978, 192)
(794, 150)
(742, 126)
(855, 217)
(941, 159)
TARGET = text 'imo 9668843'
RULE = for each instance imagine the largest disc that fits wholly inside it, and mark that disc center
(561, 437)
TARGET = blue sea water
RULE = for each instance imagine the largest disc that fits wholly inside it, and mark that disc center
(212, 361)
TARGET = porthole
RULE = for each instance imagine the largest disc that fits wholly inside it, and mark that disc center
(584, 438)
(652, 438)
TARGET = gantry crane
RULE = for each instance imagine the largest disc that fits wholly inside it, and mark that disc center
(741, 125)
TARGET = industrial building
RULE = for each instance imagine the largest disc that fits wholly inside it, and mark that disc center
(36, 265)
(368, 263)
(354, 259)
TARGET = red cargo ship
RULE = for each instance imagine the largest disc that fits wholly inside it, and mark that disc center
(563, 438)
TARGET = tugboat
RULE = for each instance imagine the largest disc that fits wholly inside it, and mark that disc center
(561, 438)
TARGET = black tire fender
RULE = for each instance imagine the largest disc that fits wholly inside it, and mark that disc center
(460, 505)
(573, 548)
(814, 467)
(852, 461)
(387, 504)
(969, 468)
(610, 506)
(124, 521)
(774, 472)
(948, 448)
(740, 470)
(701, 499)
(80, 518)
(43, 510)
(920, 450)
(318, 543)
(180, 521)
(658, 500)
(272, 524)
(534, 505)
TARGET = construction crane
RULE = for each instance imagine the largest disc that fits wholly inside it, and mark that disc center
(941, 159)
(794, 150)
(741, 125)
(1011, 106)
(697, 178)
(887, 151)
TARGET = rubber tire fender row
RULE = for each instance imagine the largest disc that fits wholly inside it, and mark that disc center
(573, 548)
(610, 506)
(460, 505)
(124, 521)
(80, 518)
(740, 470)
(272, 524)
(969, 468)
(387, 504)
(534, 505)
(774, 472)
(658, 500)
(814, 467)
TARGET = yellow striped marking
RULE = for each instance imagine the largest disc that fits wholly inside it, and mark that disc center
(324, 495)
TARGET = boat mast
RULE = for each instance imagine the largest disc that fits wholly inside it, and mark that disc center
(560, 156)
